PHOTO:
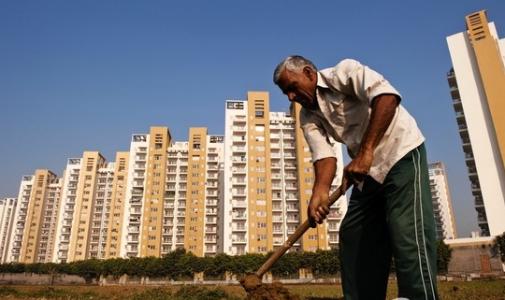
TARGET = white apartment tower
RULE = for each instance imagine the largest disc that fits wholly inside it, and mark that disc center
(477, 84)
(442, 202)
(7, 210)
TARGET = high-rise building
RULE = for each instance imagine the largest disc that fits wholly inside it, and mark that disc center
(268, 180)
(442, 203)
(7, 210)
(175, 200)
(477, 84)
(84, 191)
(117, 206)
(18, 227)
(189, 194)
(205, 157)
(35, 219)
(146, 192)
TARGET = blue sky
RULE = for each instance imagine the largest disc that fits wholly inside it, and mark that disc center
(85, 75)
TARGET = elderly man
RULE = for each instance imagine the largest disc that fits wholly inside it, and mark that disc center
(390, 210)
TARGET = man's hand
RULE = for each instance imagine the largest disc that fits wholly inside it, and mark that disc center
(318, 206)
(359, 167)
(383, 111)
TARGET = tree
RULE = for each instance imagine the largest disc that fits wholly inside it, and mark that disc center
(499, 246)
(326, 262)
(444, 254)
(88, 269)
(287, 265)
(218, 266)
(114, 266)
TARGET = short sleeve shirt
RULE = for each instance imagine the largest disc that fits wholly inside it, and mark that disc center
(344, 94)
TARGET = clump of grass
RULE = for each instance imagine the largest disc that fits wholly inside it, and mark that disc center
(184, 293)
(154, 294)
(8, 291)
(196, 293)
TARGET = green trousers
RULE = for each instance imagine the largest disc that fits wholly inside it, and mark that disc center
(392, 219)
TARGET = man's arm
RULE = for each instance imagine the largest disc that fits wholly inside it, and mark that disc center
(318, 207)
(383, 110)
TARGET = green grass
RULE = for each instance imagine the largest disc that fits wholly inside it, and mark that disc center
(480, 289)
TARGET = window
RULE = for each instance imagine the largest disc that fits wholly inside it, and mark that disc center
(259, 128)
(235, 105)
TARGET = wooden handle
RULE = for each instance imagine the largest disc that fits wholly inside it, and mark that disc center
(300, 230)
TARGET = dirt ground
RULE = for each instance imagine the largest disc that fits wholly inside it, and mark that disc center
(478, 289)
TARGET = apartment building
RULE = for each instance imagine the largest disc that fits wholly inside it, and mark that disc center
(35, 218)
(146, 191)
(7, 210)
(442, 202)
(205, 163)
(477, 86)
(116, 209)
(268, 179)
(80, 193)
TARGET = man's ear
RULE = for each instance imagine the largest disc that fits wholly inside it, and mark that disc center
(309, 73)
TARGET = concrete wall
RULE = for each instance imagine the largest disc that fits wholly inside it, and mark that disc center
(40, 279)
(474, 256)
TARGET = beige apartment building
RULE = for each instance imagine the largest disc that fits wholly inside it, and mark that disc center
(205, 165)
(115, 212)
(268, 179)
(141, 232)
(183, 195)
(35, 218)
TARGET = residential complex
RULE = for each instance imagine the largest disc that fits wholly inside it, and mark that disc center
(442, 202)
(176, 185)
(477, 84)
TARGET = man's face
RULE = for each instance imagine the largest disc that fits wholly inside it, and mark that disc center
(300, 86)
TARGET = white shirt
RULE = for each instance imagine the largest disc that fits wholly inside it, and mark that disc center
(344, 94)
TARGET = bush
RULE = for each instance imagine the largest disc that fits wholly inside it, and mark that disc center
(499, 246)
(444, 254)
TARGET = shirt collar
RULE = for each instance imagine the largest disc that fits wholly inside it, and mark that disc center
(321, 82)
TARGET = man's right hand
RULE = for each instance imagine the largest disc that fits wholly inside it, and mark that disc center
(318, 206)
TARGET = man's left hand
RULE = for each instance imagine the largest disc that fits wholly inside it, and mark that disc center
(359, 167)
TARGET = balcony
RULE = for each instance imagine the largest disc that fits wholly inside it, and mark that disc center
(139, 166)
(211, 202)
(239, 160)
(238, 170)
(239, 139)
(238, 228)
(239, 216)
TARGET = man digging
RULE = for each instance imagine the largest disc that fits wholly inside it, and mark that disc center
(390, 210)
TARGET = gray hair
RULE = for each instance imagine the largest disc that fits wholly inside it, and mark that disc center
(292, 63)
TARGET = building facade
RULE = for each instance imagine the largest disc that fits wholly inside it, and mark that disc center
(477, 84)
(268, 179)
(35, 218)
(188, 194)
(442, 202)
(82, 195)
(7, 210)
